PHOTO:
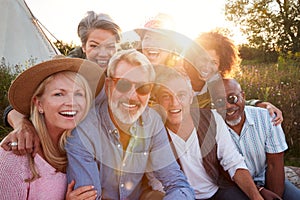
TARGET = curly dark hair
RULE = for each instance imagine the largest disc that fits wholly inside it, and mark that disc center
(225, 49)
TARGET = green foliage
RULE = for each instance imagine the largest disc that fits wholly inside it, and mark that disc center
(290, 58)
(278, 84)
(270, 25)
(63, 47)
(259, 56)
(7, 74)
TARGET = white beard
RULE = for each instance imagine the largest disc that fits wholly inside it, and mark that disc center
(234, 122)
(123, 116)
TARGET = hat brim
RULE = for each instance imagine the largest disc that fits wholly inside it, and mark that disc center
(23, 87)
(142, 31)
(170, 40)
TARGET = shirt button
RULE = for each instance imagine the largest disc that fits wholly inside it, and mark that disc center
(122, 185)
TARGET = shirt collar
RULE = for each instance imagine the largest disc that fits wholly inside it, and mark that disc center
(249, 117)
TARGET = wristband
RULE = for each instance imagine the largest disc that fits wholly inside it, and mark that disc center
(5, 114)
(260, 189)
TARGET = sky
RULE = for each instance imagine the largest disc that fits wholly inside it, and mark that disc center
(191, 17)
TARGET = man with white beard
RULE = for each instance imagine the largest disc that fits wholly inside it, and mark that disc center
(121, 139)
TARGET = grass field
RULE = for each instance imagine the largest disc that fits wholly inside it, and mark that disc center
(280, 85)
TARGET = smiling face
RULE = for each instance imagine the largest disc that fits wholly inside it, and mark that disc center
(233, 106)
(63, 104)
(215, 59)
(127, 105)
(175, 96)
(100, 46)
(150, 45)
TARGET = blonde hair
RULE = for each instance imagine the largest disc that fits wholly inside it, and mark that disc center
(56, 157)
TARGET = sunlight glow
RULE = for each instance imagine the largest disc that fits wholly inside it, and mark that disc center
(191, 17)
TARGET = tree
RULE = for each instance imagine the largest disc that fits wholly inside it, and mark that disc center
(63, 47)
(270, 25)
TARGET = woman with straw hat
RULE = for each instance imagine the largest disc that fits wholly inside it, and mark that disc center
(98, 34)
(56, 95)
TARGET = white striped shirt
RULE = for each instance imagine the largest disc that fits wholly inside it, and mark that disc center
(258, 137)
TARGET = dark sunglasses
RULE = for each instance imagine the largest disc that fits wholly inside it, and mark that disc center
(124, 85)
(232, 99)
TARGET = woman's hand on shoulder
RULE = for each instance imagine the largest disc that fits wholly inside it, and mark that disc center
(23, 139)
(273, 110)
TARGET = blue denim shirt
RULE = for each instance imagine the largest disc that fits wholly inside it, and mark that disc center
(96, 157)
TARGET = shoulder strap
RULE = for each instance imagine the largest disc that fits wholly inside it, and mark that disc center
(206, 132)
(174, 150)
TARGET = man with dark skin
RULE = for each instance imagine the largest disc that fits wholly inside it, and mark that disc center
(260, 142)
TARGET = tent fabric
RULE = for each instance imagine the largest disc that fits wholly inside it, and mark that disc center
(22, 39)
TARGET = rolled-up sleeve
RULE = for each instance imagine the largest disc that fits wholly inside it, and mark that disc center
(82, 166)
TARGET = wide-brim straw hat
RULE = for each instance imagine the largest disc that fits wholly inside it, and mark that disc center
(23, 87)
(171, 41)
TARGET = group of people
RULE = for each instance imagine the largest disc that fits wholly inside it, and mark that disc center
(161, 122)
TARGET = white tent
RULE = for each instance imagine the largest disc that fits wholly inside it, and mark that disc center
(22, 38)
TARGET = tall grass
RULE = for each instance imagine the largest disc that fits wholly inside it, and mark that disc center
(280, 85)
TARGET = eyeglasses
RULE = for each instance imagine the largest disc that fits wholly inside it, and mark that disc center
(124, 85)
(232, 99)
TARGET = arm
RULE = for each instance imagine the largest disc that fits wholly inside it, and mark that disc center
(275, 173)
(12, 175)
(244, 180)
(175, 183)
(81, 164)
(272, 109)
(23, 133)
(268, 194)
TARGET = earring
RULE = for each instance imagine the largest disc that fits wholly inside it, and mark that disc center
(41, 111)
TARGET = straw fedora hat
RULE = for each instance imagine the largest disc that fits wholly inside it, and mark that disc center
(23, 87)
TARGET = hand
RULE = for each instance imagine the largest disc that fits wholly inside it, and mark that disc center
(273, 110)
(26, 138)
(269, 195)
(84, 192)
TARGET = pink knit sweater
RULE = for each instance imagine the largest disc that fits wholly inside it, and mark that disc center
(15, 169)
